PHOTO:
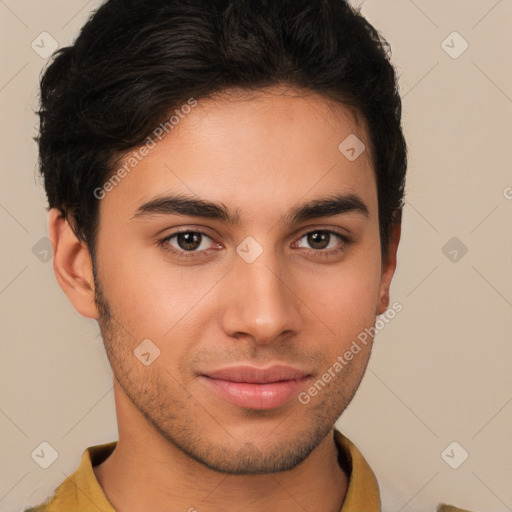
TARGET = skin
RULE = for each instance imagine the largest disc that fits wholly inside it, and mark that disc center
(180, 445)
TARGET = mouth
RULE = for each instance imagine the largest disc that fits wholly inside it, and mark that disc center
(256, 388)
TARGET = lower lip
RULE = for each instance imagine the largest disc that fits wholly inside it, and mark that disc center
(256, 396)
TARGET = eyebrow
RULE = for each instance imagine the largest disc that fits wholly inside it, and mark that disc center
(195, 207)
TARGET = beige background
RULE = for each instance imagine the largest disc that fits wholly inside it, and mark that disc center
(440, 371)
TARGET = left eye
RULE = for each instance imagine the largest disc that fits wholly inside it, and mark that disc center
(321, 239)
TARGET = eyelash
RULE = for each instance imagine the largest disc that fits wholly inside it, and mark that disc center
(185, 255)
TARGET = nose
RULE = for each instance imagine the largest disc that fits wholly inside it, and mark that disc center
(261, 302)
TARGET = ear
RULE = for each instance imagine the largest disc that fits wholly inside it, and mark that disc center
(72, 264)
(389, 264)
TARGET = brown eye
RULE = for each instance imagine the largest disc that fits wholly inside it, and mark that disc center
(188, 241)
(322, 239)
(183, 242)
(318, 239)
(324, 243)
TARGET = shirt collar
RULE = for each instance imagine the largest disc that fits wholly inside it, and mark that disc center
(363, 489)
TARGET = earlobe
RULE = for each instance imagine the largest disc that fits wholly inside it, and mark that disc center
(389, 265)
(72, 264)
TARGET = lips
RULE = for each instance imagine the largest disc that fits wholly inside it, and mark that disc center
(256, 388)
(255, 375)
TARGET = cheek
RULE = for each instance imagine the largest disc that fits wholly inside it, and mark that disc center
(150, 294)
(346, 305)
(346, 296)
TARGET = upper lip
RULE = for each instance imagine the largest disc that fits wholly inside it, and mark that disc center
(254, 375)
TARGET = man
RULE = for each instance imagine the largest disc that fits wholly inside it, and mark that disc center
(225, 182)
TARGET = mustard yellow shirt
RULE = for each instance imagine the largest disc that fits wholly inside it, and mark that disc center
(81, 492)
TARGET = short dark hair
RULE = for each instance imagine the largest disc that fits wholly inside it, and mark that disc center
(135, 61)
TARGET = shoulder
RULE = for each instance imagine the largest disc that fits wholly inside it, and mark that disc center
(81, 491)
(450, 508)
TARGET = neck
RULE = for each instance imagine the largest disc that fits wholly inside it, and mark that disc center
(154, 475)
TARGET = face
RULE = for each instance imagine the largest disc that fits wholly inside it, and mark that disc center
(250, 300)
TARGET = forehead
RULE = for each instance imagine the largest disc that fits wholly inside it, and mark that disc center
(257, 151)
